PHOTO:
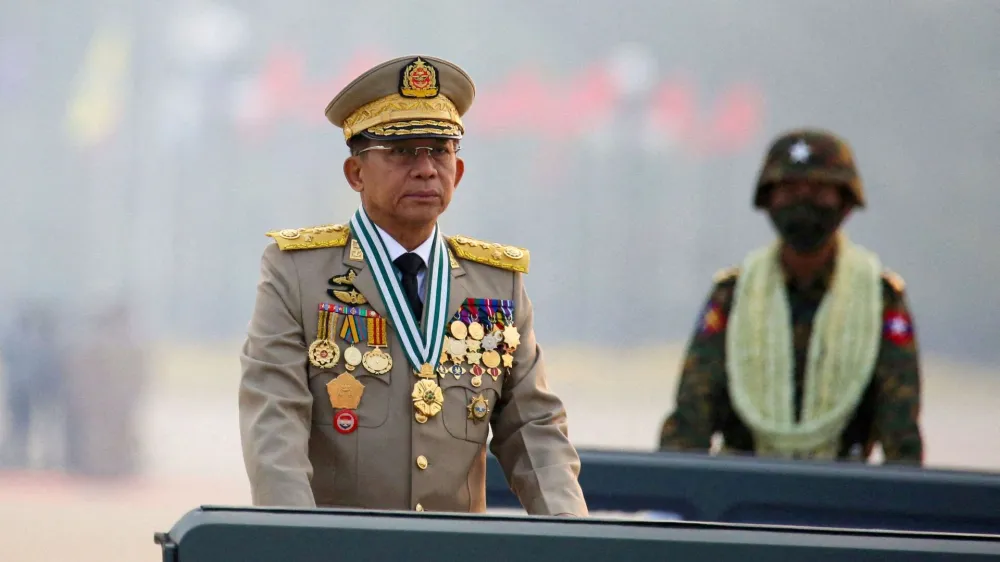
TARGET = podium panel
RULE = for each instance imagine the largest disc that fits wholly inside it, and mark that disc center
(748, 490)
(221, 534)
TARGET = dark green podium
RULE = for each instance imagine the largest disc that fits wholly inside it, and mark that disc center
(221, 534)
(759, 491)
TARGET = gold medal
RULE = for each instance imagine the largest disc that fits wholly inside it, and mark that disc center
(476, 331)
(457, 348)
(324, 354)
(376, 362)
(473, 358)
(427, 398)
(458, 330)
(508, 360)
(511, 337)
(478, 409)
(349, 333)
(491, 358)
(426, 371)
(353, 358)
(477, 381)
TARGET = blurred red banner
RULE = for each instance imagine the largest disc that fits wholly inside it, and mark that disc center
(528, 101)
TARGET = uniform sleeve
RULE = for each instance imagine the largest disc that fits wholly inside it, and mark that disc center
(897, 410)
(702, 381)
(275, 404)
(530, 434)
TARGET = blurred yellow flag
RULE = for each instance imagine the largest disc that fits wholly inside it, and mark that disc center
(99, 94)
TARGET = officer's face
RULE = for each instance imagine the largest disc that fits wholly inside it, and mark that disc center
(407, 188)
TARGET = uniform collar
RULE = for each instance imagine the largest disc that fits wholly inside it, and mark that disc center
(817, 286)
(396, 249)
(365, 282)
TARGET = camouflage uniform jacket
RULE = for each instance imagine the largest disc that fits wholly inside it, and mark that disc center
(887, 413)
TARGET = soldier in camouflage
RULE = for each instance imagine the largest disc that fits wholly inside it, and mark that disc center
(806, 350)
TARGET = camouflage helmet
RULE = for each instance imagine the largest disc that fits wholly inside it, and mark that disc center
(809, 154)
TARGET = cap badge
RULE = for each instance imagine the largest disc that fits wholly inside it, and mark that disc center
(800, 152)
(419, 80)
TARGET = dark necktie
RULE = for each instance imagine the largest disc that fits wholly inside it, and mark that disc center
(409, 265)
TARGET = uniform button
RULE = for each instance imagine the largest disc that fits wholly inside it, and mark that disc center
(421, 462)
(419, 507)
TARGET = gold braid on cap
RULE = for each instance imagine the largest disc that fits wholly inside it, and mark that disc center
(438, 111)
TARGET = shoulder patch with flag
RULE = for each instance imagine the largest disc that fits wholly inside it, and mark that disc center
(712, 321)
(897, 327)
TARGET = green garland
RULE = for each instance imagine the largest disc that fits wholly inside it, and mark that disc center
(842, 351)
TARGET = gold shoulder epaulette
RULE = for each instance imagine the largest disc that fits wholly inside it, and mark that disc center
(326, 236)
(894, 280)
(725, 274)
(498, 255)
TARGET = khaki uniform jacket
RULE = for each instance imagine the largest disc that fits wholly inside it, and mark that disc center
(295, 457)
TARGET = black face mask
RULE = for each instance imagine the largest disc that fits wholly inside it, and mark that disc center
(805, 226)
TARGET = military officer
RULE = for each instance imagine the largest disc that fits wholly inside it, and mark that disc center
(381, 352)
(807, 349)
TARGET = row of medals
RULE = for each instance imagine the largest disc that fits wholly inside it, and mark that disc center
(483, 351)
(324, 353)
(465, 343)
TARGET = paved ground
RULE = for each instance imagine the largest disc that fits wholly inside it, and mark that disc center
(192, 454)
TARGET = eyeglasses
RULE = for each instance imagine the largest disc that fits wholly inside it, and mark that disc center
(407, 155)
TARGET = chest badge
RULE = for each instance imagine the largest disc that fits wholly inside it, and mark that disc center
(345, 396)
(478, 408)
(351, 296)
(428, 399)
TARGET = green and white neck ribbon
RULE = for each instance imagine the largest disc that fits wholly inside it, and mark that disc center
(421, 347)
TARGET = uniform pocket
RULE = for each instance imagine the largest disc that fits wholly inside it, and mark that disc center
(475, 358)
(467, 409)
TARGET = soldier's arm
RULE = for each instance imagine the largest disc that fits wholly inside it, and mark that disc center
(530, 435)
(897, 372)
(275, 404)
(695, 418)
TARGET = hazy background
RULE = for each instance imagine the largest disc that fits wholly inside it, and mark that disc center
(145, 148)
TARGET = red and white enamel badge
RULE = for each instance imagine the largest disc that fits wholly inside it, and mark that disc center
(898, 328)
(346, 421)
